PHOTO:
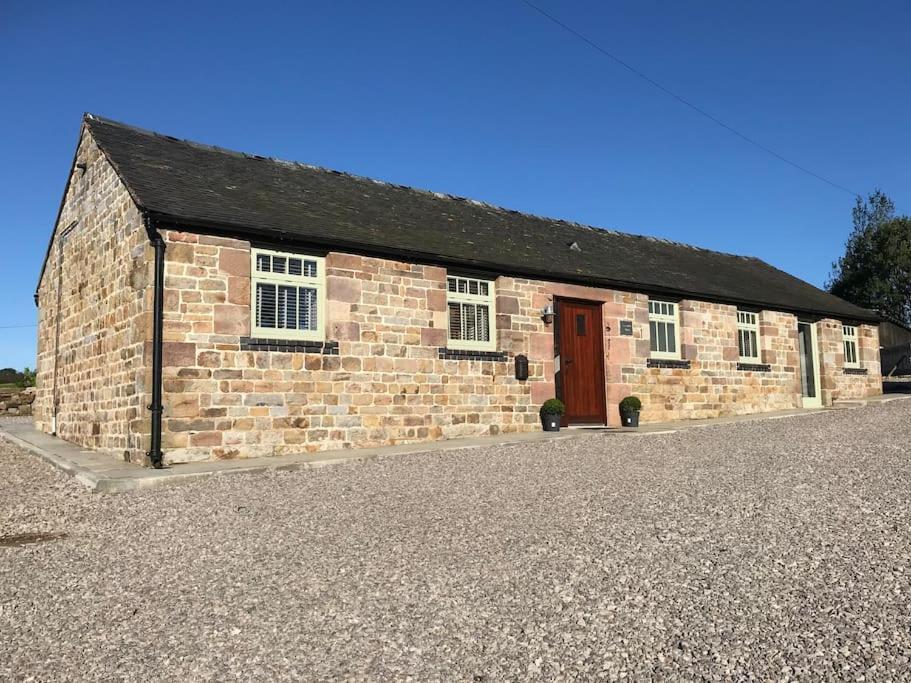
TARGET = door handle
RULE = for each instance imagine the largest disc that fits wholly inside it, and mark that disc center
(569, 360)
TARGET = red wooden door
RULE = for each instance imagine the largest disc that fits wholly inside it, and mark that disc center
(580, 344)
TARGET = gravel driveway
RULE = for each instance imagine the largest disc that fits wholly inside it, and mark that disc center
(772, 550)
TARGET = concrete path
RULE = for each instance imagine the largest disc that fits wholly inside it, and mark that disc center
(104, 473)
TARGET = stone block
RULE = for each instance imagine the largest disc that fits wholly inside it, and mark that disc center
(179, 253)
(232, 320)
(181, 405)
(208, 359)
(234, 262)
(351, 364)
(227, 242)
(508, 305)
(730, 353)
(340, 261)
(435, 337)
(208, 439)
(436, 300)
(542, 345)
(178, 354)
(540, 392)
(434, 274)
(343, 289)
(239, 290)
(184, 425)
(345, 331)
(263, 400)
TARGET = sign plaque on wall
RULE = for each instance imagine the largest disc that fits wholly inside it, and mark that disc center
(626, 328)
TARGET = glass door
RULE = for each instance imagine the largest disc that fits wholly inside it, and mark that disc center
(809, 365)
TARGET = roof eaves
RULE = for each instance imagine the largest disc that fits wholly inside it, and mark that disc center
(227, 229)
(265, 232)
(863, 311)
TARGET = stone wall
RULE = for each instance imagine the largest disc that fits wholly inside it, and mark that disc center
(716, 383)
(103, 269)
(380, 378)
(839, 382)
(383, 383)
(17, 401)
(713, 385)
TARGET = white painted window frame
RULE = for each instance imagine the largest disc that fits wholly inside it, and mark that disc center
(658, 317)
(488, 300)
(849, 336)
(744, 325)
(318, 283)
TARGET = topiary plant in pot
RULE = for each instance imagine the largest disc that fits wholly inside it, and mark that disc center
(629, 411)
(551, 412)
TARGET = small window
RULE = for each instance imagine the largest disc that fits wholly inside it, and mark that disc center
(663, 326)
(471, 313)
(748, 336)
(849, 332)
(288, 295)
(580, 324)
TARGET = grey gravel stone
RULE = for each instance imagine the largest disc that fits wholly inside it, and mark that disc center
(768, 550)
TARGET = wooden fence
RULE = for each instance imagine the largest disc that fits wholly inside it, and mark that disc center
(896, 360)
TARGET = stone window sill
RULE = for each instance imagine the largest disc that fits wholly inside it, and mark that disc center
(669, 363)
(462, 354)
(754, 367)
(289, 346)
(855, 371)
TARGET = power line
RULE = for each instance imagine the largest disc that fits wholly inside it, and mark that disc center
(683, 100)
(16, 327)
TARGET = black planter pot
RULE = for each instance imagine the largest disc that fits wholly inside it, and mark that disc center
(629, 418)
(551, 423)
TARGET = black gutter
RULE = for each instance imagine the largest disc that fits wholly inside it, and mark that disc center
(155, 455)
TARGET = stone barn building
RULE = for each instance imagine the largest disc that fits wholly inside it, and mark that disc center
(200, 303)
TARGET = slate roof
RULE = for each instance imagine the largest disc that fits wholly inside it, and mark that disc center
(187, 183)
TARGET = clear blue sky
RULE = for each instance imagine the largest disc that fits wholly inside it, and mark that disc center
(482, 99)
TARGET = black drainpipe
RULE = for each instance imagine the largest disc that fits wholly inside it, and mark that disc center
(55, 401)
(155, 455)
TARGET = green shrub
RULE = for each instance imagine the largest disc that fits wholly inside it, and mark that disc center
(630, 404)
(553, 406)
(27, 379)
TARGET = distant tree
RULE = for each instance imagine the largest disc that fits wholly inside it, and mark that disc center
(875, 271)
(10, 376)
(876, 210)
(27, 378)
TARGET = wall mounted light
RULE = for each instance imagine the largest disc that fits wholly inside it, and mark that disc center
(547, 314)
